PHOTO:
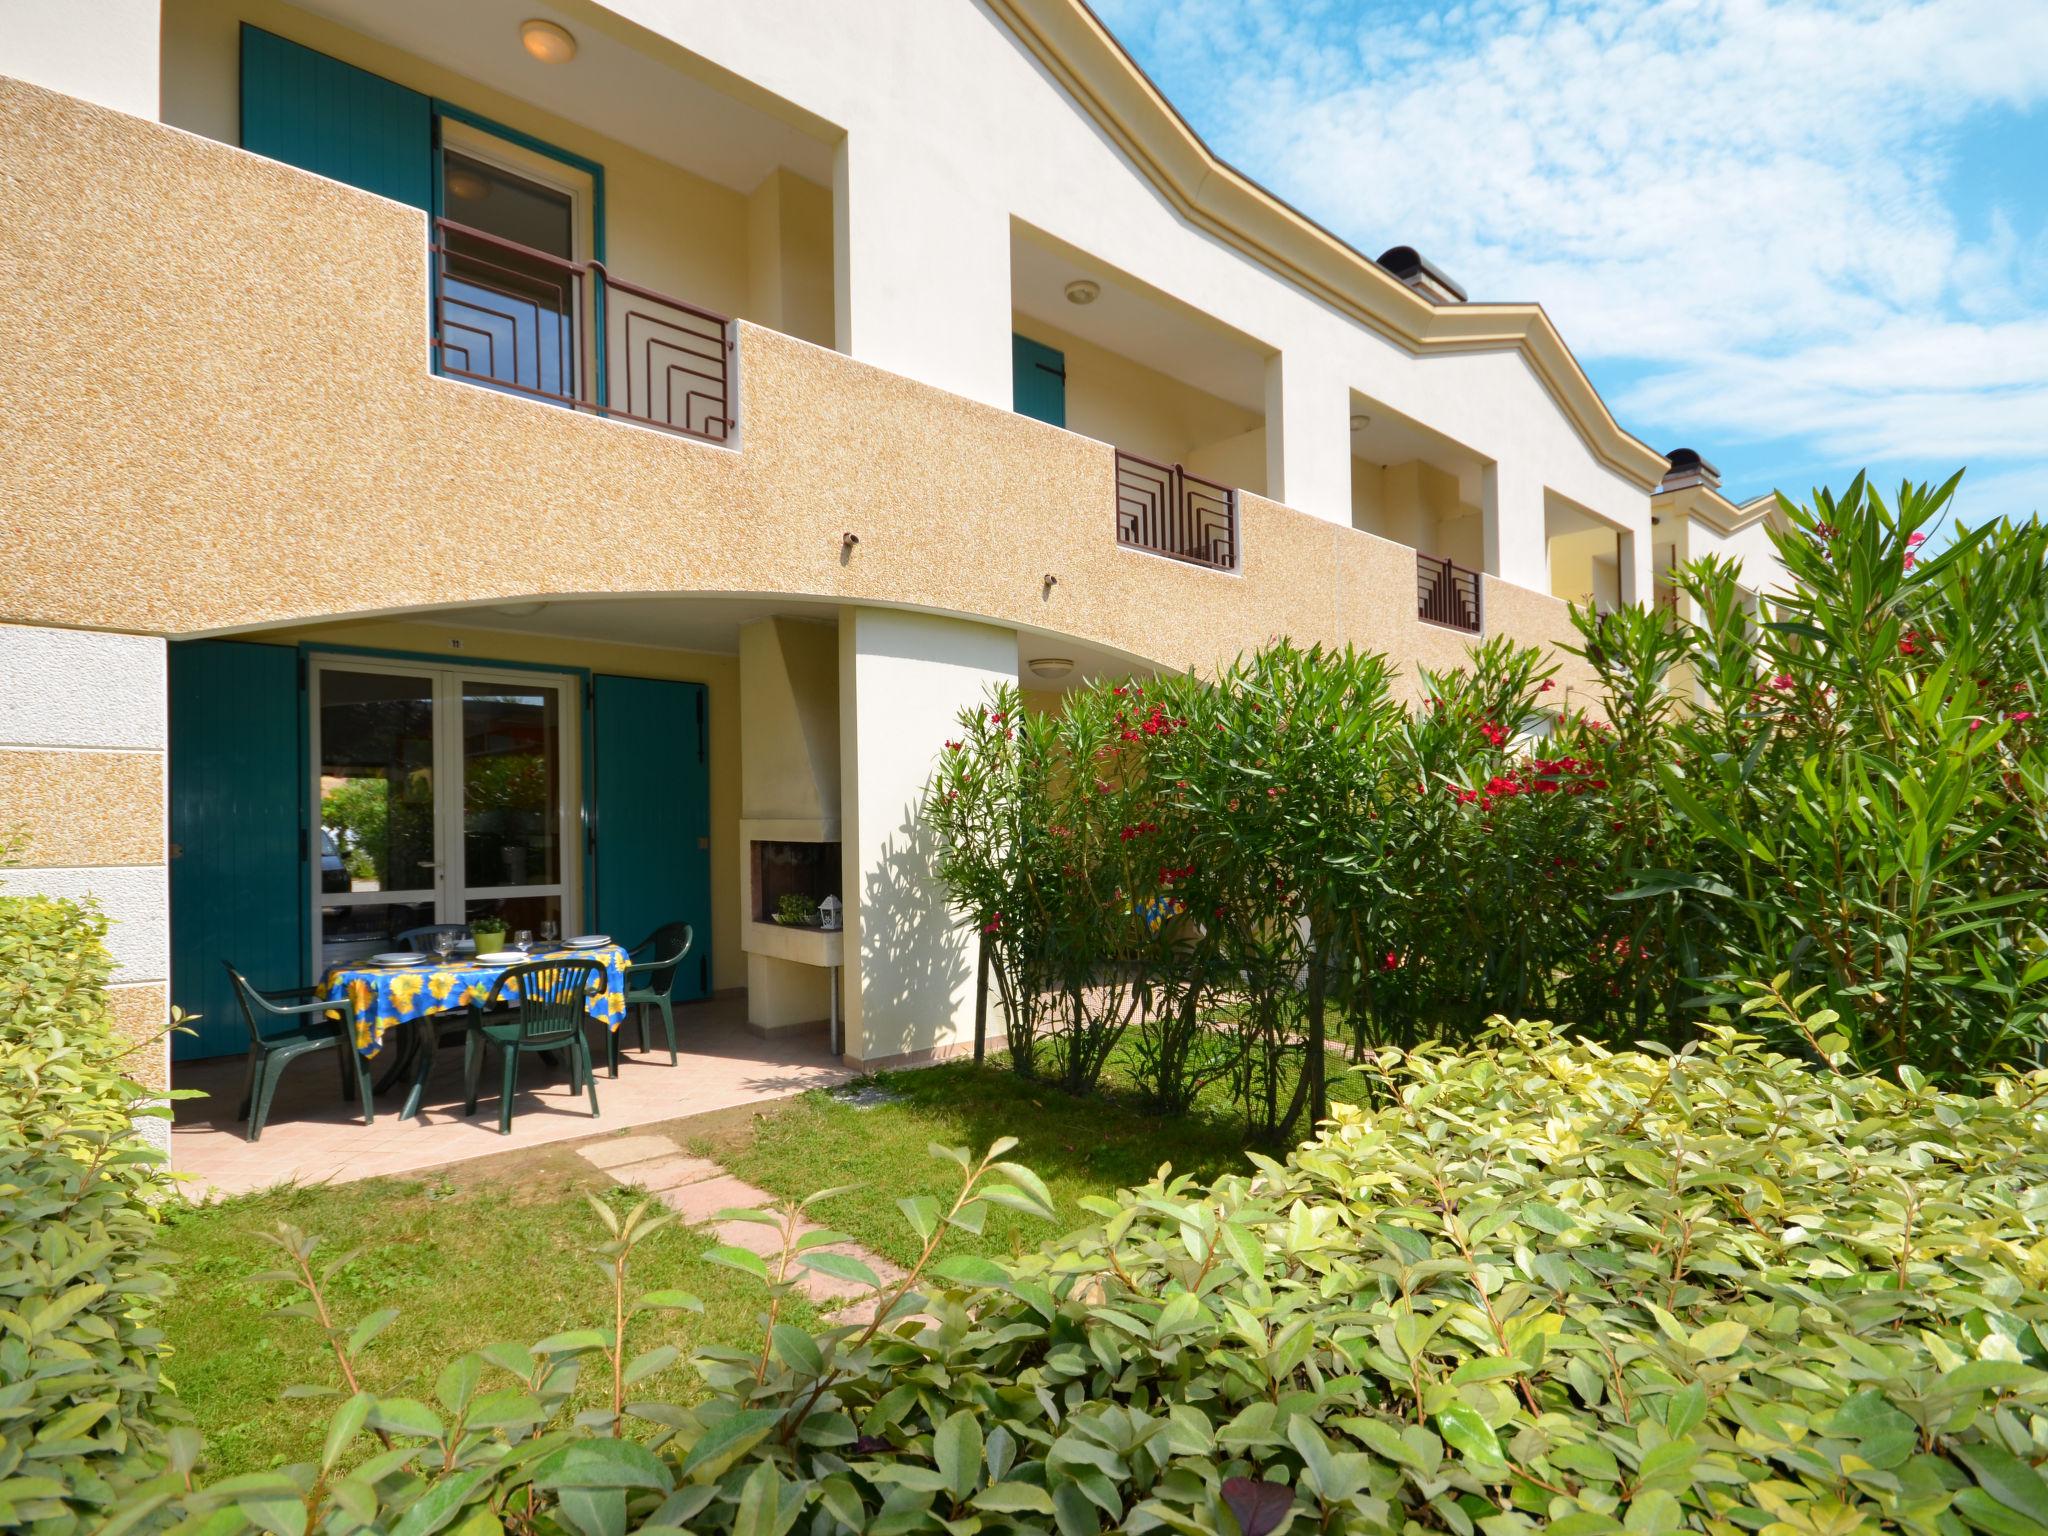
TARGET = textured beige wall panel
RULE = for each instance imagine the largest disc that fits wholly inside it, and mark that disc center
(141, 1014)
(224, 420)
(83, 809)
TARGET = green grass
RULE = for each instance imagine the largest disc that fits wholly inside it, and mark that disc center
(1078, 1146)
(496, 1250)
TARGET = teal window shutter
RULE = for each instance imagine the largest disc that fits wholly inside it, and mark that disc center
(651, 810)
(322, 115)
(1038, 376)
(238, 879)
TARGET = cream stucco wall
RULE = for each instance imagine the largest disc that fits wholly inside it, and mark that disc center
(110, 56)
(939, 168)
(903, 680)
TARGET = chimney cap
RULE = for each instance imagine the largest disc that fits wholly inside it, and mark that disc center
(1688, 468)
(1421, 274)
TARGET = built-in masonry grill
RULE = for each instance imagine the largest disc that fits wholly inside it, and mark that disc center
(809, 870)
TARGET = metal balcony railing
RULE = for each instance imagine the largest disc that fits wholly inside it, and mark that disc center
(515, 318)
(1164, 509)
(1446, 593)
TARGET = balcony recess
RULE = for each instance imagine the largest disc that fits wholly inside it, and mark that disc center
(1446, 593)
(1163, 509)
(519, 319)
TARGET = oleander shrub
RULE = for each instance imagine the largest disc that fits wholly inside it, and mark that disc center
(1843, 782)
(1538, 1285)
(83, 1406)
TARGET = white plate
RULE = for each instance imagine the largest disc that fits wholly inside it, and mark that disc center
(501, 957)
(396, 958)
(587, 940)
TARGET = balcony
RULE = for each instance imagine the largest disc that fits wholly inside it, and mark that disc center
(519, 319)
(1447, 593)
(1164, 510)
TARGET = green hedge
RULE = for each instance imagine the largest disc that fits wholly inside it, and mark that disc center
(1536, 1284)
(82, 1401)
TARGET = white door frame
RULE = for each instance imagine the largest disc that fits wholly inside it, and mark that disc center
(445, 890)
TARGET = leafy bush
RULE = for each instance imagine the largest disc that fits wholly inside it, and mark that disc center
(82, 1403)
(1845, 783)
(1537, 1283)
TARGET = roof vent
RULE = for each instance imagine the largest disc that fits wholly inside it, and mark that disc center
(1406, 263)
(1688, 469)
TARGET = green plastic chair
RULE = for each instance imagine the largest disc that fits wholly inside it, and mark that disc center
(323, 1026)
(549, 1015)
(657, 984)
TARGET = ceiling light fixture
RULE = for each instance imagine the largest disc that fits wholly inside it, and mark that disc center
(1050, 667)
(1083, 290)
(1360, 421)
(546, 41)
(518, 610)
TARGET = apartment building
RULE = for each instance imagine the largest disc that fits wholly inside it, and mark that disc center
(569, 464)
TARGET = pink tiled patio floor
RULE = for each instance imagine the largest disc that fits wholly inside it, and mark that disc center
(314, 1135)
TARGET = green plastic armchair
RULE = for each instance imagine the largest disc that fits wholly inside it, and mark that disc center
(549, 1014)
(652, 984)
(320, 1025)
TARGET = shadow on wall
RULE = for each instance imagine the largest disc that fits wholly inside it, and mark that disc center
(916, 959)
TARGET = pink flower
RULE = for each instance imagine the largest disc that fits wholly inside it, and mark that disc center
(1782, 682)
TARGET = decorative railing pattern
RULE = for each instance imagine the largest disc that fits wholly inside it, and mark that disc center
(1446, 593)
(515, 318)
(1164, 509)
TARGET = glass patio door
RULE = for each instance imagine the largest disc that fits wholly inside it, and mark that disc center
(440, 795)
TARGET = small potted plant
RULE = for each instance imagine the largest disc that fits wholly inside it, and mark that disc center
(793, 911)
(489, 933)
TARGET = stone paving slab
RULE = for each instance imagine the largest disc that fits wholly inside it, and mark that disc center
(661, 1174)
(697, 1189)
(616, 1151)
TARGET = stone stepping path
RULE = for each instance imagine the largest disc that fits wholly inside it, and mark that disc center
(696, 1189)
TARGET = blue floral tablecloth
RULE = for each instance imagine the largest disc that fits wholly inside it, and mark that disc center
(387, 998)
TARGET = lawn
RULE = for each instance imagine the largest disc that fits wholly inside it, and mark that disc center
(498, 1249)
(1078, 1146)
(487, 1251)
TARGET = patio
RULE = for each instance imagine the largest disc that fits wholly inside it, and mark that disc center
(314, 1135)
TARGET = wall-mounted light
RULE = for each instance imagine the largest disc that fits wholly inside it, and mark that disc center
(1083, 290)
(546, 41)
(1050, 668)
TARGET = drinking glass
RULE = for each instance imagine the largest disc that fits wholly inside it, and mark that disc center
(523, 941)
(444, 945)
(548, 930)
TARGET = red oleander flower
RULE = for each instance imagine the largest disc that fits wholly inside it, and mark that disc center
(1783, 682)
(2021, 714)
(994, 924)
(955, 746)
(1548, 684)
(1391, 963)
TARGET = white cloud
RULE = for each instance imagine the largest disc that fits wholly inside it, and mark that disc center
(1749, 196)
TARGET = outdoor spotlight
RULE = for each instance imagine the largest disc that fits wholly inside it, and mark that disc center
(549, 43)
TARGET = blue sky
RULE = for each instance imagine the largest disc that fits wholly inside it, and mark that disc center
(1803, 238)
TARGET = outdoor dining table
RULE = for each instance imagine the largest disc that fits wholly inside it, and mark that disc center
(395, 999)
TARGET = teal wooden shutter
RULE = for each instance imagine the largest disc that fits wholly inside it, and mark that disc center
(1038, 379)
(651, 810)
(322, 115)
(238, 880)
